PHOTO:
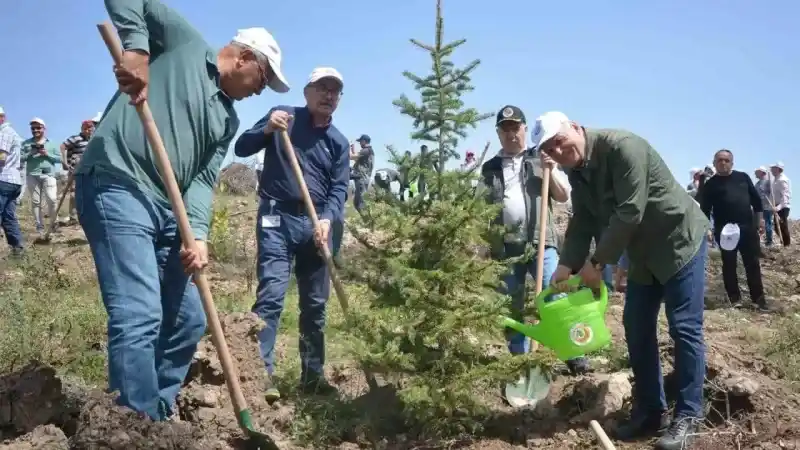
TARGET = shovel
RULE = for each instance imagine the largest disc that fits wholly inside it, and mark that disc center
(535, 385)
(326, 252)
(46, 238)
(257, 440)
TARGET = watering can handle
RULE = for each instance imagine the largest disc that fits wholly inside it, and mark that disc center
(572, 282)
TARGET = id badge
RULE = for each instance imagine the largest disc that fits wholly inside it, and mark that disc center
(270, 221)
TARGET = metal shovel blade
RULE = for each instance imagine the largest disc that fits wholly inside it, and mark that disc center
(529, 389)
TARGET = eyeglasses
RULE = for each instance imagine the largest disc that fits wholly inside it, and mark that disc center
(36, 128)
(334, 91)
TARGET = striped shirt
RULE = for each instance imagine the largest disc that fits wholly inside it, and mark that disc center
(11, 144)
(75, 146)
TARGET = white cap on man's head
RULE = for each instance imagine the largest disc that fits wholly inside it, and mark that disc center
(694, 170)
(761, 169)
(262, 41)
(325, 72)
(546, 126)
(778, 164)
(39, 121)
(2, 111)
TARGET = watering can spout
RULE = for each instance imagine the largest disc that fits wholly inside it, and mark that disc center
(532, 331)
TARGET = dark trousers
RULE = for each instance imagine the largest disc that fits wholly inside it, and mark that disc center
(750, 248)
(769, 226)
(783, 225)
(361, 184)
(278, 246)
(8, 213)
(684, 306)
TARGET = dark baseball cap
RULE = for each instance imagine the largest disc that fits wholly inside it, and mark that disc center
(364, 137)
(510, 113)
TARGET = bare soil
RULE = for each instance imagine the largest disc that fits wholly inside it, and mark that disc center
(749, 404)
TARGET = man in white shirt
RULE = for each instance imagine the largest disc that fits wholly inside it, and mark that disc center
(513, 179)
(782, 194)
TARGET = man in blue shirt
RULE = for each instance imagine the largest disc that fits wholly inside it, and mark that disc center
(284, 231)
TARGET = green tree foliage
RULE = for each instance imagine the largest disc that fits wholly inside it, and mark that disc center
(432, 319)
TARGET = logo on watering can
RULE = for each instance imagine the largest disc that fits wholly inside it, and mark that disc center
(581, 334)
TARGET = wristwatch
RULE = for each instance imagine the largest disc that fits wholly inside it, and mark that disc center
(595, 263)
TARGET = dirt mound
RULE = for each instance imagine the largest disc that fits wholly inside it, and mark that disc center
(238, 179)
(102, 424)
(204, 399)
(29, 398)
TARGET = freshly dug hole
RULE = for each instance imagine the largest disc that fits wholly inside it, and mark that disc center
(29, 397)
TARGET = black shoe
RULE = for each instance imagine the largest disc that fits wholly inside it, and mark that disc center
(679, 435)
(638, 427)
(763, 307)
(317, 385)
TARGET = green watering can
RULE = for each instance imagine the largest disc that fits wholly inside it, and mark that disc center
(572, 325)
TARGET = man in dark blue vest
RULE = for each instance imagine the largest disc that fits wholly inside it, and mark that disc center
(284, 231)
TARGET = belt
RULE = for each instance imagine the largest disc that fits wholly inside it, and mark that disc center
(293, 208)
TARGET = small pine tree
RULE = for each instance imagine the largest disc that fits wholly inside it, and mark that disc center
(433, 308)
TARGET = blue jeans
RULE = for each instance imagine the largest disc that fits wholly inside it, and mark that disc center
(684, 305)
(608, 271)
(361, 185)
(769, 225)
(155, 317)
(9, 193)
(608, 276)
(278, 246)
(514, 286)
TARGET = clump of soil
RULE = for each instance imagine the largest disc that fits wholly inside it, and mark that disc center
(204, 398)
(29, 397)
(102, 424)
(46, 437)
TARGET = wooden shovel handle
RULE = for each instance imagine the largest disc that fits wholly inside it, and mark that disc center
(312, 214)
(185, 229)
(543, 216)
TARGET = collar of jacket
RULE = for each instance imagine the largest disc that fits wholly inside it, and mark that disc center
(591, 141)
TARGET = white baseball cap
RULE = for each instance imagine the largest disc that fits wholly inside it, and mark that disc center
(778, 164)
(39, 121)
(2, 111)
(262, 41)
(325, 72)
(729, 237)
(694, 171)
(761, 169)
(546, 126)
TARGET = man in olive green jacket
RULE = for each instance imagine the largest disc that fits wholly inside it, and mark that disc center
(624, 195)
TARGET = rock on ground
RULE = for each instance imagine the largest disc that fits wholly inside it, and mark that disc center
(46, 437)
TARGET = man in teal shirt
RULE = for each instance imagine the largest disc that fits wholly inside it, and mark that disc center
(40, 156)
(155, 317)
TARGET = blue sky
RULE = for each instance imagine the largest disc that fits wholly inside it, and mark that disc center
(691, 77)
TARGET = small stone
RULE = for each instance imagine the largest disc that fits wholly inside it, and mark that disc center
(208, 398)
